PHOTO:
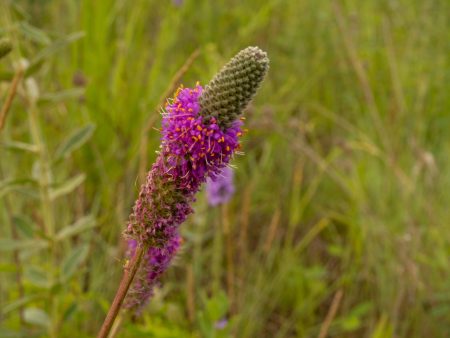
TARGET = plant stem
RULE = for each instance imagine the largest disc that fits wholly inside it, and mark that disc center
(116, 327)
(127, 278)
(227, 233)
(9, 99)
(16, 257)
(45, 177)
(217, 256)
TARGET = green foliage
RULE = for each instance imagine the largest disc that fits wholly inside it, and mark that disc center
(5, 47)
(344, 186)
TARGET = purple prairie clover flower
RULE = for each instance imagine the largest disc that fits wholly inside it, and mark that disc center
(220, 189)
(195, 149)
(199, 136)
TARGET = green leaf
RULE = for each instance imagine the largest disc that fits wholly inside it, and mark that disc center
(74, 93)
(24, 185)
(67, 187)
(33, 33)
(68, 314)
(18, 303)
(74, 141)
(83, 224)
(7, 244)
(73, 261)
(38, 277)
(14, 145)
(52, 49)
(36, 316)
(24, 225)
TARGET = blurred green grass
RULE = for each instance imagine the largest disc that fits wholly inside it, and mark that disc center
(340, 223)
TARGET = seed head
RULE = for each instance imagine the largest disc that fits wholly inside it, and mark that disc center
(229, 92)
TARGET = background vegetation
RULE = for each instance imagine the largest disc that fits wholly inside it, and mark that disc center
(340, 223)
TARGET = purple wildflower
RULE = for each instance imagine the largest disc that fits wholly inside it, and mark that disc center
(195, 149)
(200, 134)
(221, 324)
(221, 188)
(191, 151)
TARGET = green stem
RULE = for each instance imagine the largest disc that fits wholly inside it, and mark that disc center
(217, 256)
(47, 209)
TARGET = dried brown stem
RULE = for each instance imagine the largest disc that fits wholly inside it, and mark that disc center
(331, 314)
(227, 232)
(11, 94)
(128, 275)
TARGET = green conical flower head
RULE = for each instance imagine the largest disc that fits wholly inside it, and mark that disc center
(229, 92)
(5, 47)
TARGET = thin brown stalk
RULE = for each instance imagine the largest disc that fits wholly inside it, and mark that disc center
(11, 94)
(128, 275)
(272, 232)
(243, 241)
(331, 314)
(143, 164)
(229, 253)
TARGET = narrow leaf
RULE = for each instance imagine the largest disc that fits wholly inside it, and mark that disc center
(24, 185)
(55, 47)
(11, 244)
(15, 145)
(38, 277)
(64, 95)
(36, 316)
(67, 187)
(24, 225)
(17, 304)
(73, 261)
(34, 33)
(83, 224)
(74, 141)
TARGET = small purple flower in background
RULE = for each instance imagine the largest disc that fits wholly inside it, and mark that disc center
(177, 3)
(221, 324)
(220, 189)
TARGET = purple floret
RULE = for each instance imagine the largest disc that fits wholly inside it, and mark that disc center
(195, 149)
(156, 261)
